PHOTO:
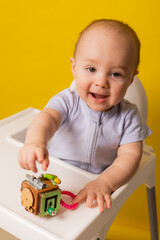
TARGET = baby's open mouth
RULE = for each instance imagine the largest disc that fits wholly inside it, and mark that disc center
(99, 96)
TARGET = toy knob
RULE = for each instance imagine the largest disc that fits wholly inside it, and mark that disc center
(51, 211)
(57, 180)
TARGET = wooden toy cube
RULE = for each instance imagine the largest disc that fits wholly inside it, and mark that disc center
(39, 196)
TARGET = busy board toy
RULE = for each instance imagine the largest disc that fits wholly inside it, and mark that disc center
(42, 196)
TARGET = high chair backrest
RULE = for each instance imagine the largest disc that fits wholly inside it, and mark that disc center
(135, 94)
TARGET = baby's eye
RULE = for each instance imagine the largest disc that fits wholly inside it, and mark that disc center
(116, 74)
(91, 69)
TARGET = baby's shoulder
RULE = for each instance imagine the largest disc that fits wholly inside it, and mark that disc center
(67, 95)
(125, 104)
(126, 107)
(69, 99)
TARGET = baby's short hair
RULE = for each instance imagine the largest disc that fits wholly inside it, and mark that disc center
(119, 26)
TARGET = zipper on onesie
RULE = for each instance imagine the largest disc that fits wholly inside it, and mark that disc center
(92, 138)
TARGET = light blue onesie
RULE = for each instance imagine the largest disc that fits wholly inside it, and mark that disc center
(90, 139)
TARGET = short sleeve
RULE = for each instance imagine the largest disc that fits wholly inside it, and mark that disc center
(134, 129)
(62, 103)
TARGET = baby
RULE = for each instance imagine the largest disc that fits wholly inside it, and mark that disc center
(94, 128)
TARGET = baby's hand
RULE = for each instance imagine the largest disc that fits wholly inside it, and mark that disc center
(96, 190)
(31, 153)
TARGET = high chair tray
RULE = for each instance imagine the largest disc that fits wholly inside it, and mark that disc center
(81, 223)
(67, 224)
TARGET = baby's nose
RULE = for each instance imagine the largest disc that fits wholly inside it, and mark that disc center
(102, 81)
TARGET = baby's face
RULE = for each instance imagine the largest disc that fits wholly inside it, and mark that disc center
(103, 67)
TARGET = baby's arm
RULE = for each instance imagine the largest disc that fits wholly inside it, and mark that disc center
(39, 132)
(122, 169)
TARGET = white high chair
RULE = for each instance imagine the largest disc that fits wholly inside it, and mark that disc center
(82, 223)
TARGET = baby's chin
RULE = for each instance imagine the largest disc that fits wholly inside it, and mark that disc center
(99, 108)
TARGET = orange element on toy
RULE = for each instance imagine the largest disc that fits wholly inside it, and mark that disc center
(27, 199)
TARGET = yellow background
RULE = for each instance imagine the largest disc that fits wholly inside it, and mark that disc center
(37, 39)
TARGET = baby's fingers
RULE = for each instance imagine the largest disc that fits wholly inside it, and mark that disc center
(45, 163)
(23, 159)
(100, 201)
(90, 198)
(108, 200)
(42, 157)
(40, 154)
(80, 196)
(20, 160)
(103, 200)
(24, 164)
(32, 162)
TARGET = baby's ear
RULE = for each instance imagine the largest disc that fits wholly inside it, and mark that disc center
(72, 60)
(136, 72)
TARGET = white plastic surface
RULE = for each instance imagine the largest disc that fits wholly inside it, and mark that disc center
(82, 223)
(136, 94)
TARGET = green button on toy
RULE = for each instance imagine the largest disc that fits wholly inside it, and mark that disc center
(51, 211)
